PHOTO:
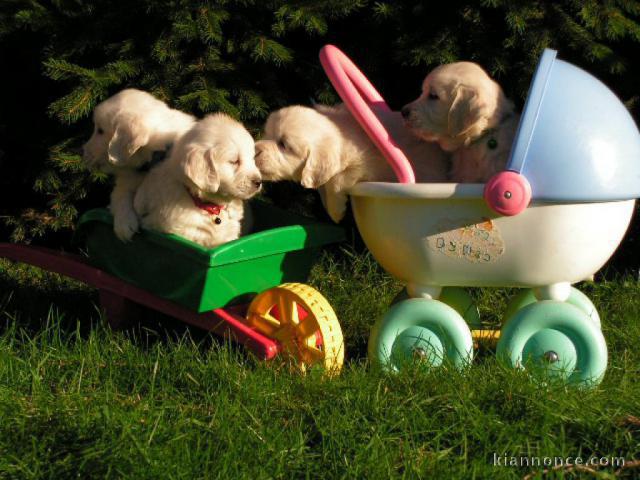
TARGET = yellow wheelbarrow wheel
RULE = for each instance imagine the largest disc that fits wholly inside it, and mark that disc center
(302, 320)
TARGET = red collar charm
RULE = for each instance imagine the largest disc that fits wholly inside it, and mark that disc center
(210, 208)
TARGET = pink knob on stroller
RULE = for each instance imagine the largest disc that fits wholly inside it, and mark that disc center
(360, 96)
(507, 193)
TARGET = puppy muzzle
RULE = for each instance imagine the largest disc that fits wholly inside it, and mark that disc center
(267, 159)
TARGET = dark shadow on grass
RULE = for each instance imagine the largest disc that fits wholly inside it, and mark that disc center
(29, 302)
(63, 444)
(151, 328)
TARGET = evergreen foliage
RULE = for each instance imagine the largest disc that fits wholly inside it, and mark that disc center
(247, 57)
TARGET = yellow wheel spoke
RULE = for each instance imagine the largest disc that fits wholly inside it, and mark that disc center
(312, 355)
(284, 334)
(307, 328)
(284, 309)
(264, 323)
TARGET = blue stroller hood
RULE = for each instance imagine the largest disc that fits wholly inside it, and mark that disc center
(576, 141)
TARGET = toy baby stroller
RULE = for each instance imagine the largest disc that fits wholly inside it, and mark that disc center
(551, 219)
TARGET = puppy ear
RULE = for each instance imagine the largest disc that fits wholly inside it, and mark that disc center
(199, 167)
(323, 162)
(466, 111)
(130, 134)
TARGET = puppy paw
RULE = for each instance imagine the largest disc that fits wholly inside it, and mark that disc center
(125, 226)
(336, 204)
(337, 213)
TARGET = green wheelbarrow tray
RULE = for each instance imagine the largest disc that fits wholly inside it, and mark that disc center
(282, 248)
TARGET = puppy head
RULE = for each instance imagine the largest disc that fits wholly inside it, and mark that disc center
(299, 144)
(122, 126)
(217, 159)
(458, 102)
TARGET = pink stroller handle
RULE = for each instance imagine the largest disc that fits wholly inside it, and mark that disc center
(359, 96)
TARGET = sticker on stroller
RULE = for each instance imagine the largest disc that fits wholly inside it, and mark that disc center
(475, 242)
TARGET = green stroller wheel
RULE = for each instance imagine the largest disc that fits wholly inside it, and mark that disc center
(421, 330)
(558, 337)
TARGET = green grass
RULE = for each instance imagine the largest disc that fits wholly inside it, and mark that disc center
(162, 400)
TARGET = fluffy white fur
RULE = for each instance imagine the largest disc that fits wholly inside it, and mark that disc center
(128, 128)
(461, 108)
(214, 162)
(326, 149)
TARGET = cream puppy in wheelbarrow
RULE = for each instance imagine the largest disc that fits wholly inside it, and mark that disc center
(326, 149)
(198, 193)
(133, 131)
(465, 112)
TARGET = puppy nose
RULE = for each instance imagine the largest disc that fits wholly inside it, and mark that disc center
(405, 112)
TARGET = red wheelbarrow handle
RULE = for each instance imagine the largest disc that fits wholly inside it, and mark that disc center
(115, 293)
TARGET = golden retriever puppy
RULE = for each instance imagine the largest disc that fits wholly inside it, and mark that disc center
(325, 148)
(198, 191)
(133, 131)
(466, 112)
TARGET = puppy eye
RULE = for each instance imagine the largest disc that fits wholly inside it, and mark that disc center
(235, 162)
(100, 131)
(433, 96)
(282, 144)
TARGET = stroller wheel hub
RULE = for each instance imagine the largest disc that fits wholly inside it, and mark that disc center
(420, 354)
(551, 356)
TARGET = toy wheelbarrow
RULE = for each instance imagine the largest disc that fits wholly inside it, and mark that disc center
(249, 290)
